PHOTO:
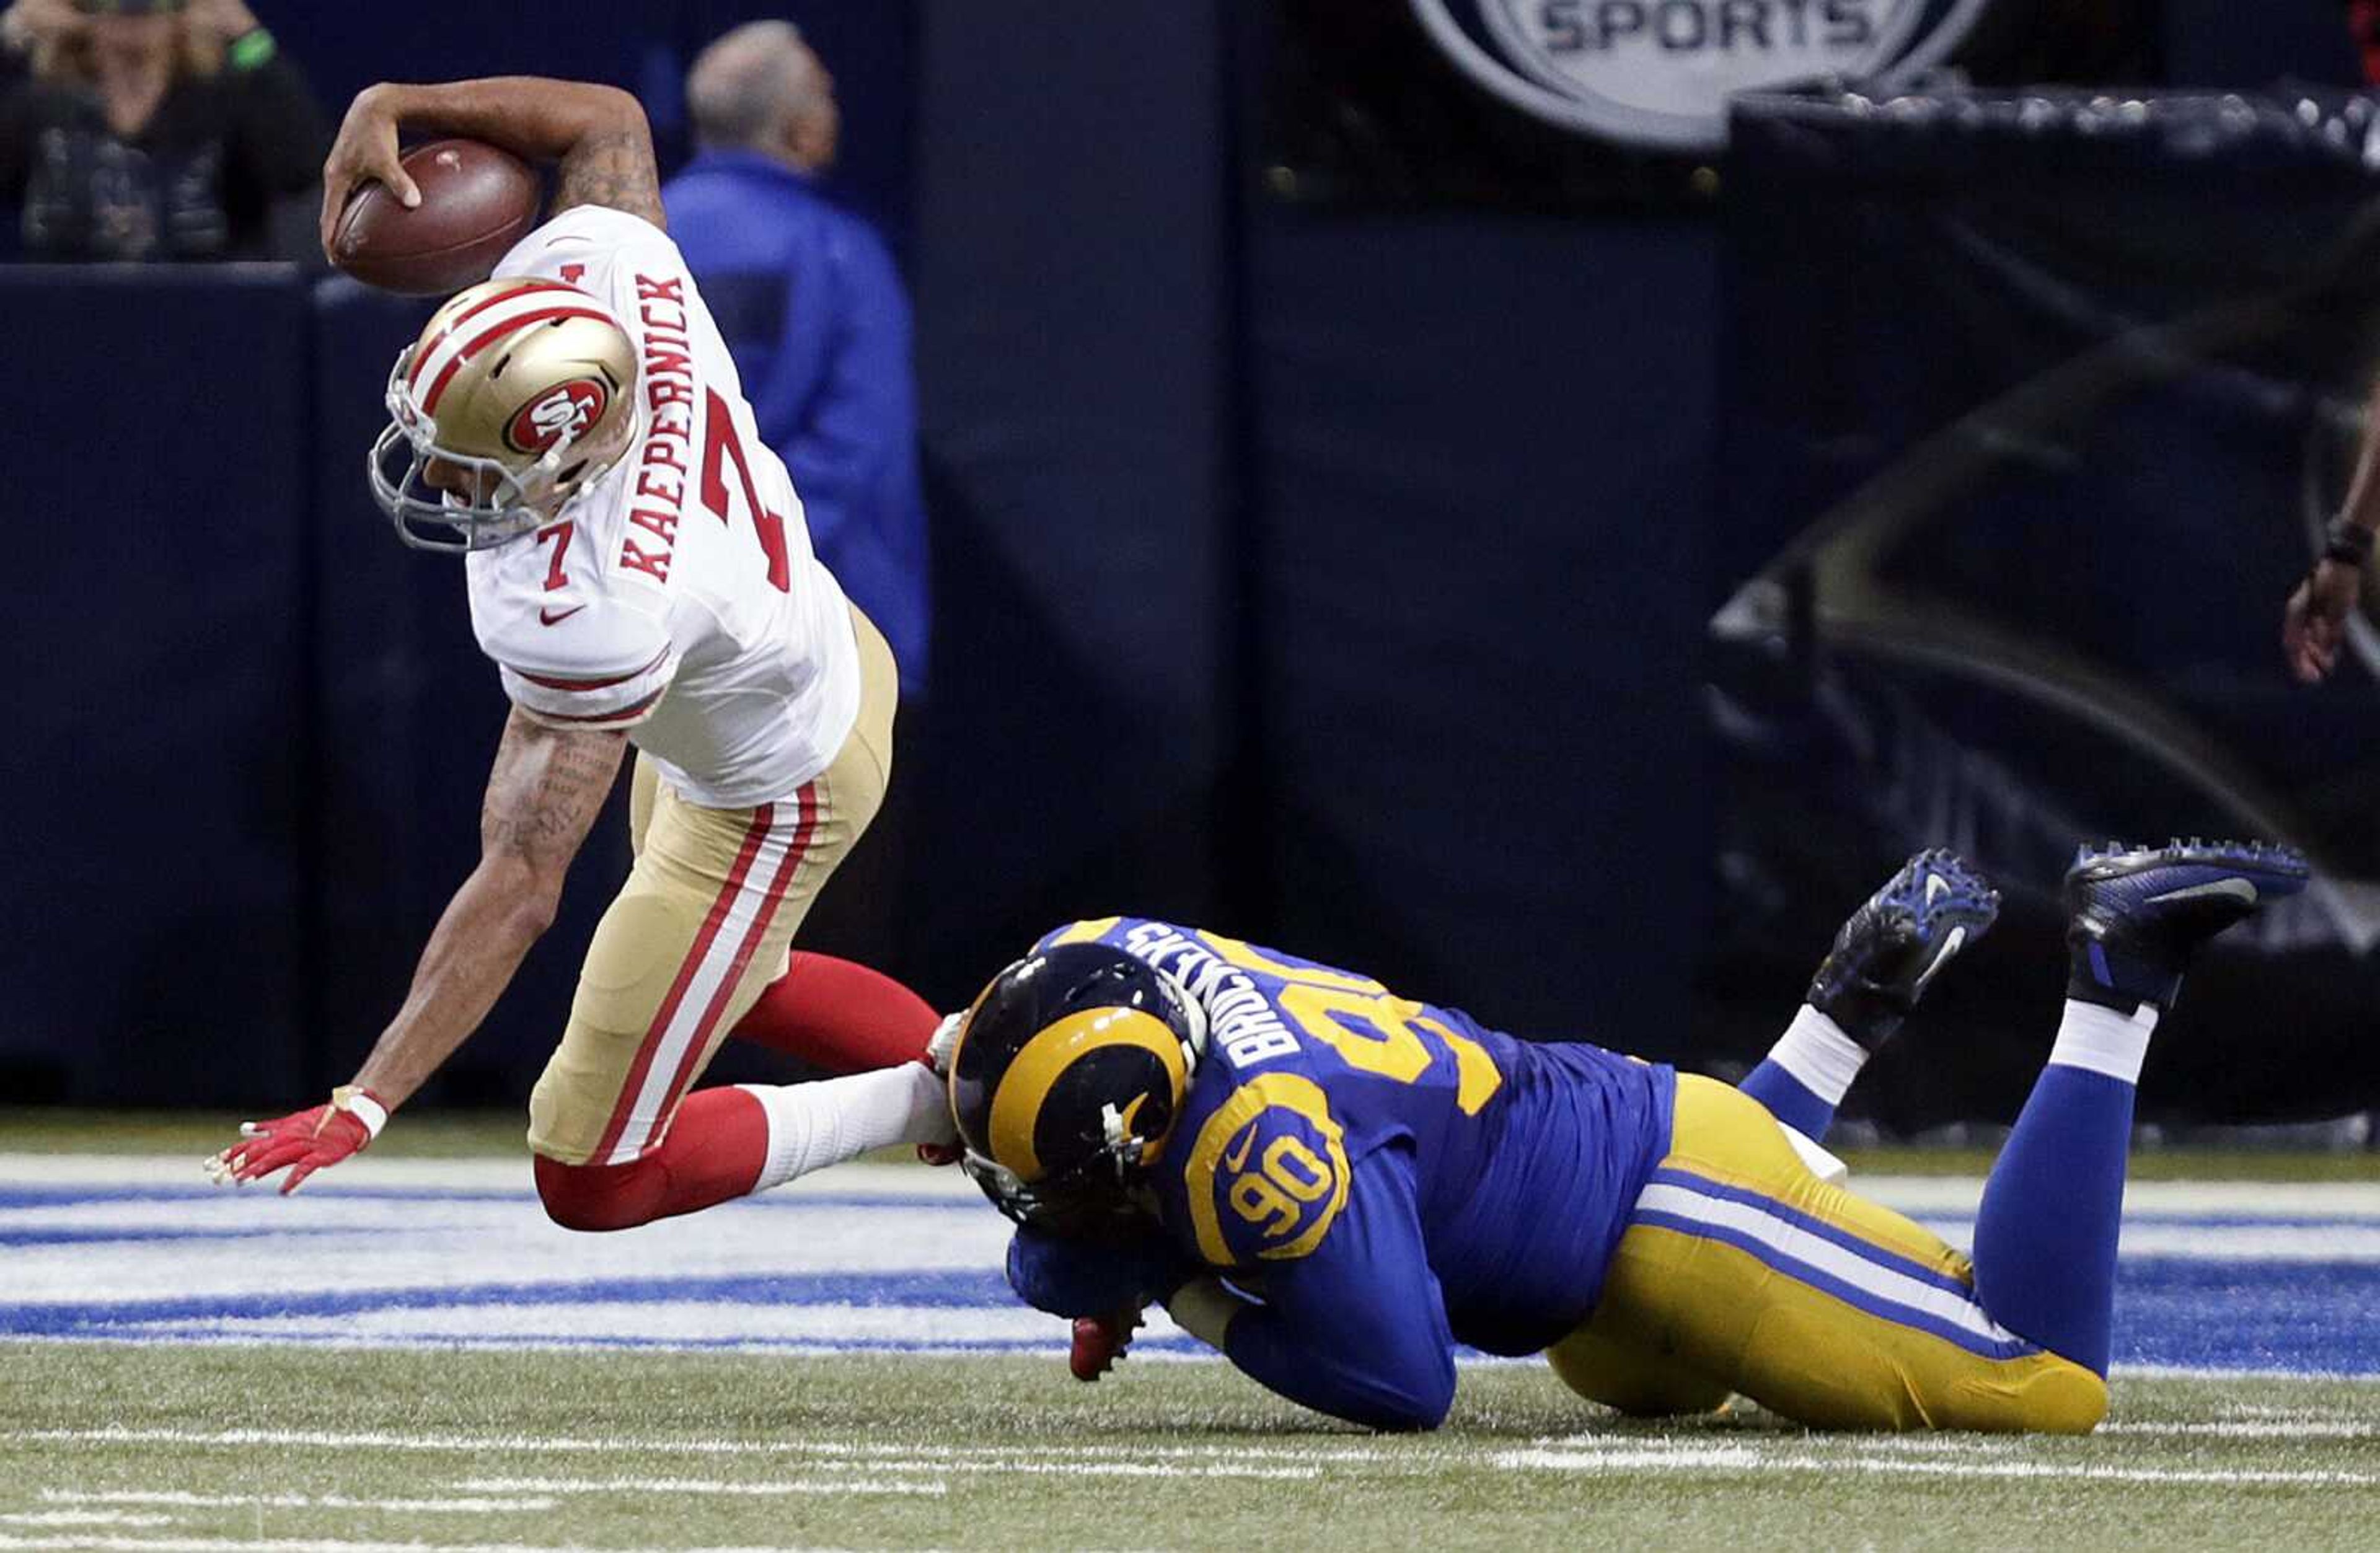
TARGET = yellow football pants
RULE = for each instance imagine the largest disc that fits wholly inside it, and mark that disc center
(703, 925)
(1742, 1271)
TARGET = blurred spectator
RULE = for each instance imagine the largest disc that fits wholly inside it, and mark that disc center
(154, 129)
(815, 316)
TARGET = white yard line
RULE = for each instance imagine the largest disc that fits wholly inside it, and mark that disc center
(326, 1544)
(562, 1445)
(2209, 1372)
(2331, 1428)
(84, 1518)
(185, 1499)
(1746, 1459)
(706, 1486)
(1041, 1463)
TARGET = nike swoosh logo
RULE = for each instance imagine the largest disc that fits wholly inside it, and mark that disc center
(1951, 946)
(556, 617)
(1235, 1158)
(1936, 888)
(2238, 890)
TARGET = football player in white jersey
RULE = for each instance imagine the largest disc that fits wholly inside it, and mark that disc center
(640, 571)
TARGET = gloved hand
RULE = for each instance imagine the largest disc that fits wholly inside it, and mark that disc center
(1100, 1343)
(305, 1141)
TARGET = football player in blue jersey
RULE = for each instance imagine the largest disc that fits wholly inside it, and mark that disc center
(1334, 1185)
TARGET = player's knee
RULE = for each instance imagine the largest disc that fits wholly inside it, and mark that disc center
(1630, 1378)
(594, 1197)
(2054, 1396)
(2069, 1400)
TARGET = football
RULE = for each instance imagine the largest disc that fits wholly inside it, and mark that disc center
(477, 202)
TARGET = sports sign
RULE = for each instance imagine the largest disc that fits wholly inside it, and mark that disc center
(1657, 73)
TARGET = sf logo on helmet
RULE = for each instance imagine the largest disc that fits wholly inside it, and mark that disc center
(569, 407)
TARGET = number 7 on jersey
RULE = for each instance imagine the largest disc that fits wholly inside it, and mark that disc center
(720, 444)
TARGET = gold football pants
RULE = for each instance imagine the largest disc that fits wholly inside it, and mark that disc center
(703, 925)
(1742, 1272)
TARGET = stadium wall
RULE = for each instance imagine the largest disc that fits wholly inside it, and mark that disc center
(1335, 576)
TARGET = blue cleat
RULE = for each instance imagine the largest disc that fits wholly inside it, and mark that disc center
(1899, 941)
(2134, 917)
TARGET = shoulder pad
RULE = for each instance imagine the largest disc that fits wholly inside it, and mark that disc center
(1089, 931)
(1267, 1174)
(586, 237)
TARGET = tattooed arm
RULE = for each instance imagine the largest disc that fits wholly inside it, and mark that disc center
(546, 789)
(597, 133)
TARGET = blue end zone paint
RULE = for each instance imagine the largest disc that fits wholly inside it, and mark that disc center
(2316, 1318)
(2320, 1317)
(2214, 1312)
(128, 1237)
(923, 1292)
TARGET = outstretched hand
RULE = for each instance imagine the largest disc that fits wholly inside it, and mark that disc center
(303, 1142)
(2314, 623)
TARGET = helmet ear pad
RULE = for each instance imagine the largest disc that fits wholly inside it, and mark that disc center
(1070, 1073)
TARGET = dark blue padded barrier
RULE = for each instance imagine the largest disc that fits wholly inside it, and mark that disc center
(1073, 347)
(1481, 498)
(1337, 591)
(2037, 402)
(153, 431)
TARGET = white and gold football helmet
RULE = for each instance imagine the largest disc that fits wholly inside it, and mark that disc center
(523, 392)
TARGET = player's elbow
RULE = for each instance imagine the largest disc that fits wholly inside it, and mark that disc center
(534, 914)
(612, 110)
(532, 908)
(529, 890)
(1405, 1404)
(1405, 1414)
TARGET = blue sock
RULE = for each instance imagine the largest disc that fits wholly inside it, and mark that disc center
(1805, 1073)
(1789, 1100)
(2045, 1235)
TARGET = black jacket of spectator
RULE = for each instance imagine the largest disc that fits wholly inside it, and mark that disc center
(198, 181)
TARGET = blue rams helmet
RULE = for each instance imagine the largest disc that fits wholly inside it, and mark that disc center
(1069, 1074)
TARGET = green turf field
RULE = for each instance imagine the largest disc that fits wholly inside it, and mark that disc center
(105, 1446)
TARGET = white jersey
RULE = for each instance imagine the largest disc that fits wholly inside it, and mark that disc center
(677, 596)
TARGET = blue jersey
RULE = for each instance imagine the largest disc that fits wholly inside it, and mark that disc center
(1388, 1176)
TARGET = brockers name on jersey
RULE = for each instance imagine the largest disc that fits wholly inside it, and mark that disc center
(665, 464)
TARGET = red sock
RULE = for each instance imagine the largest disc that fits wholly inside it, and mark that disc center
(840, 1016)
(715, 1148)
